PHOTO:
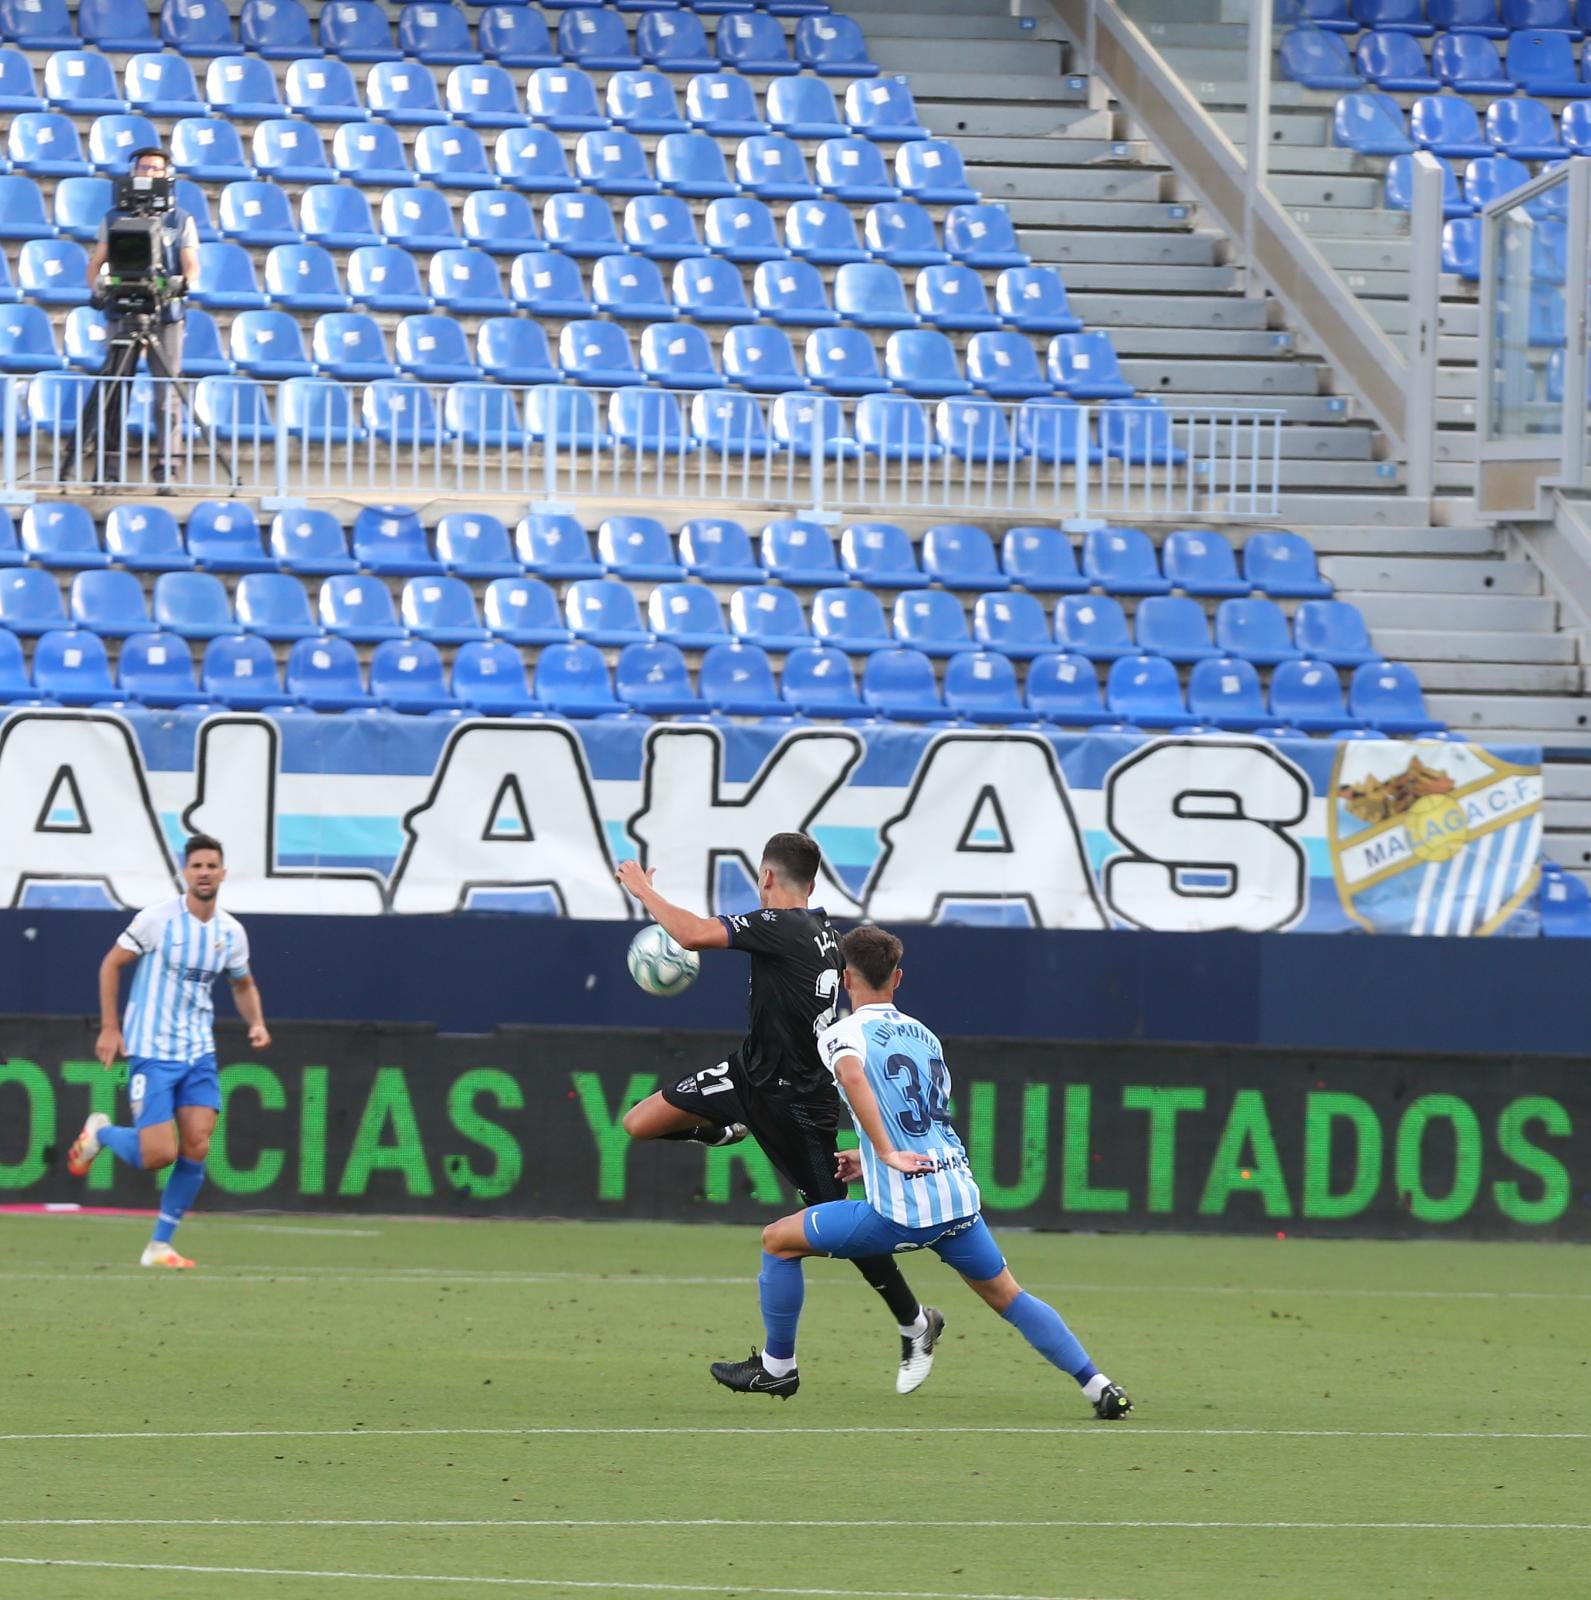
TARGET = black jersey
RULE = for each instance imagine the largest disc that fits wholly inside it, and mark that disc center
(795, 987)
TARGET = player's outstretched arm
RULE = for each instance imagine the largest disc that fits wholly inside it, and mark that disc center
(246, 996)
(110, 1047)
(682, 926)
(864, 1106)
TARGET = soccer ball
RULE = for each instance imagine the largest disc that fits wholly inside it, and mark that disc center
(660, 966)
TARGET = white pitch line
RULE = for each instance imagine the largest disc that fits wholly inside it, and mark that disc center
(737, 1587)
(1082, 1430)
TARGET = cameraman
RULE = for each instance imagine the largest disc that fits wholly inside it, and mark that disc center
(180, 242)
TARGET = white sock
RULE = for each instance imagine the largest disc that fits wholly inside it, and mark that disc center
(914, 1330)
(1094, 1388)
(777, 1366)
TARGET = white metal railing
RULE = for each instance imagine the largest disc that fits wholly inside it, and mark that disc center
(1078, 463)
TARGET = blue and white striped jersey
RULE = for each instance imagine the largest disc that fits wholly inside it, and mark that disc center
(905, 1066)
(170, 1013)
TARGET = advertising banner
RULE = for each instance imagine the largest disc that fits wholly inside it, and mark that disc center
(527, 1123)
(363, 815)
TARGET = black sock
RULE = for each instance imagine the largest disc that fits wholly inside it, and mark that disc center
(885, 1276)
(708, 1133)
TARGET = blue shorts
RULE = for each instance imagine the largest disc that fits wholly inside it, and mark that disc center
(158, 1089)
(851, 1228)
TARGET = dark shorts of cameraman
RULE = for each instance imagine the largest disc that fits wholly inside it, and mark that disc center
(132, 459)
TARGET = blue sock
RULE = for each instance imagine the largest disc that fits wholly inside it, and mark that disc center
(182, 1188)
(123, 1144)
(1041, 1325)
(781, 1288)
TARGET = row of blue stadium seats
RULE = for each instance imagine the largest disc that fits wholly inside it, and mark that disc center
(1455, 16)
(1487, 178)
(1539, 63)
(245, 88)
(390, 540)
(437, 33)
(1372, 122)
(605, 611)
(71, 667)
(1564, 904)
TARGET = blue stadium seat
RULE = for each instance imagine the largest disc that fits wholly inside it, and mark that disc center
(853, 169)
(1122, 561)
(1447, 125)
(798, 552)
(30, 601)
(1226, 691)
(1013, 624)
(278, 30)
(652, 678)
(661, 226)
(267, 344)
(637, 547)
(532, 159)
(1092, 625)
(976, 431)
(895, 428)
(198, 28)
(883, 110)
(483, 95)
(769, 617)
(674, 41)
(732, 424)
(679, 357)
(1466, 16)
(981, 687)
(61, 536)
(161, 84)
(565, 418)
(417, 219)
(1041, 559)
(595, 39)
(691, 164)
(613, 162)
(808, 425)
(1175, 627)
(871, 295)
(324, 675)
(258, 213)
(81, 82)
(931, 171)
(467, 282)
(1318, 60)
(1064, 689)
(899, 684)
(1395, 61)
(385, 278)
(111, 142)
(287, 150)
(1202, 563)
(741, 228)
(1490, 177)
(752, 42)
(1084, 365)
(193, 605)
(1333, 631)
(1541, 16)
(489, 677)
(1005, 365)
(1393, 16)
(358, 608)
(1398, 194)
(44, 144)
(452, 158)
(642, 101)
(303, 277)
(1256, 630)
(240, 672)
(953, 297)
(1524, 129)
(1575, 127)
(226, 278)
(403, 94)
(833, 45)
(961, 556)
(209, 150)
(71, 668)
(931, 620)
(772, 167)
(109, 603)
(400, 411)
(603, 611)
(18, 89)
(323, 91)
(357, 30)
(22, 214)
(38, 24)
(804, 108)
(843, 361)
(434, 348)
(563, 98)
(554, 545)
(1461, 248)
(1143, 690)
(709, 289)
(440, 609)
(474, 544)
(1371, 123)
(597, 354)
(579, 225)
(502, 224)
(718, 551)
(114, 26)
(1139, 431)
(737, 680)
(822, 231)
(982, 236)
(1308, 694)
(572, 680)
(27, 343)
(1564, 904)
(192, 200)
(1283, 564)
(157, 670)
(437, 34)
(524, 611)
(516, 36)
(482, 416)
(792, 293)
(53, 272)
(146, 538)
(687, 615)
(350, 346)
(391, 539)
(817, 681)
(274, 606)
(851, 620)
(902, 233)
(310, 540)
(1469, 64)
(223, 536)
(722, 104)
(319, 410)
(514, 350)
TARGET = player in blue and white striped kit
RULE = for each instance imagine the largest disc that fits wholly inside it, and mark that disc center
(181, 947)
(920, 1190)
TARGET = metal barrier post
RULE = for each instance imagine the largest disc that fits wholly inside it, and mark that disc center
(1257, 157)
(1578, 255)
(816, 463)
(1425, 310)
(10, 494)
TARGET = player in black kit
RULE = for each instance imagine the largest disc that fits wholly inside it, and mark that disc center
(774, 1086)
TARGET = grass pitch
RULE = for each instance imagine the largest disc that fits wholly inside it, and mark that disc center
(331, 1409)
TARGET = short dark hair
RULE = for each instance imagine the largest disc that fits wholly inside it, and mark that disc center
(795, 857)
(148, 150)
(201, 841)
(872, 953)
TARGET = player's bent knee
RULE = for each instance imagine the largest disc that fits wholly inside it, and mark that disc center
(196, 1148)
(158, 1149)
(998, 1293)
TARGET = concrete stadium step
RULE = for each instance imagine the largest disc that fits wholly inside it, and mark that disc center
(1569, 848)
(1027, 188)
(1563, 714)
(1127, 248)
(1257, 379)
(1207, 312)
(1532, 649)
(1566, 816)
(1430, 576)
(1569, 780)
(1333, 478)
(1354, 194)
(1151, 282)
(976, 22)
(1031, 216)
(1074, 150)
(950, 117)
(1189, 344)
(1442, 676)
(1357, 539)
(1022, 56)
(1295, 409)
(1491, 613)
(1012, 87)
